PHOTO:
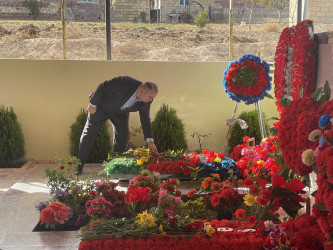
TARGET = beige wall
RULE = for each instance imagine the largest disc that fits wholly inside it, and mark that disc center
(320, 11)
(47, 95)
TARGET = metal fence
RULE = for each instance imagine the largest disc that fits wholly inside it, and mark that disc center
(144, 41)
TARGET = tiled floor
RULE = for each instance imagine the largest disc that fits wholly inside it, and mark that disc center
(21, 189)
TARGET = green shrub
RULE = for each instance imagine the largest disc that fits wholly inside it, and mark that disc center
(11, 137)
(168, 130)
(34, 7)
(102, 145)
(237, 133)
(201, 19)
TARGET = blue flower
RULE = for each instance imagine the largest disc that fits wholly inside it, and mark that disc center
(225, 168)
(324, 121)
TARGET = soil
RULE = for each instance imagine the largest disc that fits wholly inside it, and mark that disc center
(138, 41)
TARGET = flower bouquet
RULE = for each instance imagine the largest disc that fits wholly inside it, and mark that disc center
(131, 162)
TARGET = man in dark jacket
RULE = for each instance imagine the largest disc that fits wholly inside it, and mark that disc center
(114, 100)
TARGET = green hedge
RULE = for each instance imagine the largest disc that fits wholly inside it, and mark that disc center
(11, 137)
(102, 145)
(168, 130)
(237, 133)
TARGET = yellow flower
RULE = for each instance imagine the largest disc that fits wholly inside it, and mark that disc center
(145, 219)
(206, 224)
(210, 231)
(249, 200)
(217, 160)
(261, 162)
(161, 230)
(139, 162)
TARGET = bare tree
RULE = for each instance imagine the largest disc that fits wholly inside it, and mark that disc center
(251, 8)
(279, 5)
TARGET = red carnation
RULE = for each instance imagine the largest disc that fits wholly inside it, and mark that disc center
(240, 214)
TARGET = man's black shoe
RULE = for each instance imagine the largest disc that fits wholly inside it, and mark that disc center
(79, 170)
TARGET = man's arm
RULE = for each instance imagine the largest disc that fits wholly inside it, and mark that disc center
(147, 128)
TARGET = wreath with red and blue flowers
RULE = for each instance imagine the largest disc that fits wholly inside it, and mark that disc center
(247, 79)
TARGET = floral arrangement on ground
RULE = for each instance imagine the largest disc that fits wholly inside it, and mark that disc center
(254, 205)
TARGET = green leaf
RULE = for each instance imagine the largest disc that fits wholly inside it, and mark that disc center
(291, 207)
(284, 102)
(284, 171)
(313, 194)
(330, 237)
(269, 96)
(316, 94)
(329, 139)
(284, 193)
(321, 207)
(327, 90)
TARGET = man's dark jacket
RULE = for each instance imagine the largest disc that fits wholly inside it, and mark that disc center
(111, 95)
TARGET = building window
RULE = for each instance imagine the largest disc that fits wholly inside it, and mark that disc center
(184, 2)
(87, 1)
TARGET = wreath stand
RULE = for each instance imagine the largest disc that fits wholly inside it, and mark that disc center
(243, 124)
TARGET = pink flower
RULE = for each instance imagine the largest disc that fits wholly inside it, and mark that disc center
(162, 193)
(177, 200)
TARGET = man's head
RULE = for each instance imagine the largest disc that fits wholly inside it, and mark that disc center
(147, 91)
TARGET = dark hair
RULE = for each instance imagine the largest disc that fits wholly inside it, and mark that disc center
(151, 85)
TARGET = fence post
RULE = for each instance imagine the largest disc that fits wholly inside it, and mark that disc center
(108, 29)
(63, 20)
(231, 21)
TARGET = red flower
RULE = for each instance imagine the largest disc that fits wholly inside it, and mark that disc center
(191, 193)
(62, 167)
(240, 214)
(178, 192)
(215, 199)
(55, 212)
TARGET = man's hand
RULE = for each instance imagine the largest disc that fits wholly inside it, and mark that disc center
(152, 148)
(91, 109)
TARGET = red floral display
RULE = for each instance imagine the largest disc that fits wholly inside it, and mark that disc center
(184, 166)
(219, 240)
(297, 121)
(290, 79)
(281, 54)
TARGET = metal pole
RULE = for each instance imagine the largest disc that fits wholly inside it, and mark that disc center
(299, 11)
(108, 29)
(231, 21)
(63, 29)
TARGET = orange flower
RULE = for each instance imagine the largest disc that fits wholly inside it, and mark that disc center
(46, 215)
(204, 185)
(60, 211)
(55, 212)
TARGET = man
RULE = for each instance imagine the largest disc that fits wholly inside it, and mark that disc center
(114, 100)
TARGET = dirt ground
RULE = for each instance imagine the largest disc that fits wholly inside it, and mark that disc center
(138, 42)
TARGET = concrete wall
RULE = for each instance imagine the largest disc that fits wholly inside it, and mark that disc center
(47, 95)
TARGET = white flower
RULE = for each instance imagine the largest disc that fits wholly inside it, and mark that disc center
(308, 157)
(315, 135)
